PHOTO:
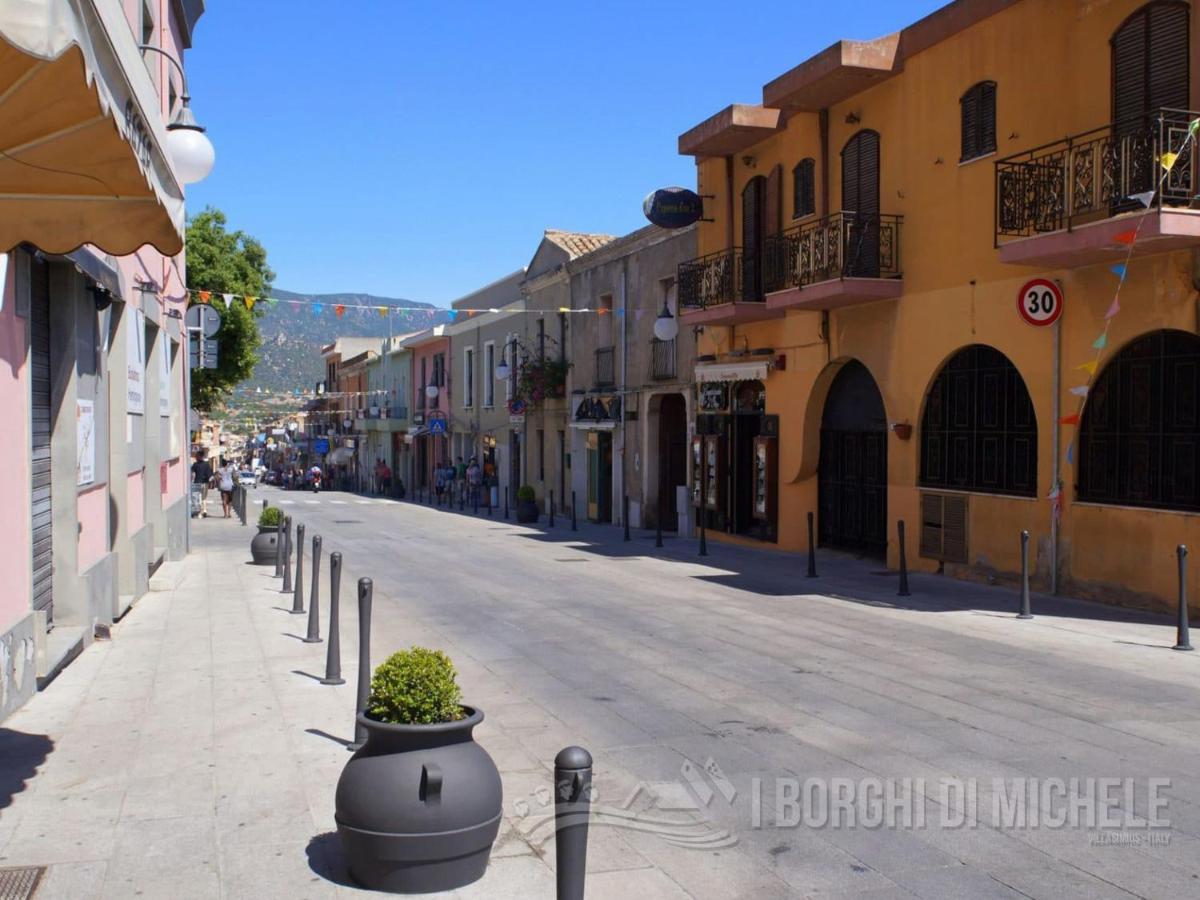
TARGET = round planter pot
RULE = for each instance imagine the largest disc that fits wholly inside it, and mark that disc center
(262, 547)
(527, 511)
(418, 806)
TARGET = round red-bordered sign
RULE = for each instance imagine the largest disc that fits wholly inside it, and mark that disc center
(1040, 302)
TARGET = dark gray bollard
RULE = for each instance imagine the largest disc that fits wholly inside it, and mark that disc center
(625, 515)
(287, 555)
(574, 526)
(572, 808)
(506, 503)
(812, 550)
(903, 592)
(266, 504)
(1183, 640)
(552, 509)
(279, 548)
(365, 591)
(1024, 613)
(333, 656)
(298, 590)
(314, 612)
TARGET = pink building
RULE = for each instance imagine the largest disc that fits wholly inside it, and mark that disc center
(431, 407)
(93, 389)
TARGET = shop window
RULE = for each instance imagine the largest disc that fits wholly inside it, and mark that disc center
(803, 194)
(978, 107)
(978, 431)
(1139, 441)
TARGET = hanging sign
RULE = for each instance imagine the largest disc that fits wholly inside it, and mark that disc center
(1040, 302)
(85, 441)
(673, 207)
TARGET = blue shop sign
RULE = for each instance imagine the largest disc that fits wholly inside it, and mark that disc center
(321, 445)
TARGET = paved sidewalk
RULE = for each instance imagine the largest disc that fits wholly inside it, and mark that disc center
(195, 754)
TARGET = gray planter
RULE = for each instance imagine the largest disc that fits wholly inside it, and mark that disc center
(262, 547)
(418, 806)
(527, 512)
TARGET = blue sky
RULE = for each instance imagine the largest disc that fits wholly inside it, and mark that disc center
(418, 150)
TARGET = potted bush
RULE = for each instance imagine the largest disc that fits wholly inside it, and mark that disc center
(262, 547)
(527, 510)
(418, 806)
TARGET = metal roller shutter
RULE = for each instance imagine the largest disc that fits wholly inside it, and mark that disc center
(39, 356)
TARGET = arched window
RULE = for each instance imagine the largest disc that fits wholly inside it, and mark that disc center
(978, 431)
(1139, 441)
(804, 201)
(978, 106)
(1150, 62)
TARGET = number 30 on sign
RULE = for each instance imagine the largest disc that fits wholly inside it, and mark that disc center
(1040, 302)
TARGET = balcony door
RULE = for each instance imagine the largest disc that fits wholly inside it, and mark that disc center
(754, 201)
(1149, 73)
(860, 198)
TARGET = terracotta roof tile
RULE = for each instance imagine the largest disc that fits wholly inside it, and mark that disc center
(577, 243)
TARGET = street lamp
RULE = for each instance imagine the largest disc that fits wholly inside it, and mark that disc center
(666, 326)
(502, 369)
(191, 151)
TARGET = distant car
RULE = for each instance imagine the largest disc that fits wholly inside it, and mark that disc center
(247, 479)
(271, 478)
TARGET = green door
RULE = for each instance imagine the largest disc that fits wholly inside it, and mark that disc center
(599, 462)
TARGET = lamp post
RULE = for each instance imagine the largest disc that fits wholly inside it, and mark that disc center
(190, 149)
(666, 326)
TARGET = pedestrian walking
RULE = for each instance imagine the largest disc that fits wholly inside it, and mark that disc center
(460, 478)
(202, 476)
(474, 480)
(225, 479)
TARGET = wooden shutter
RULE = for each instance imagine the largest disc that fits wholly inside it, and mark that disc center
(860, 173)
(987, 117)
(970, 124)
(1150, 61)
(944, 527)
(979, 120)
(803, 193)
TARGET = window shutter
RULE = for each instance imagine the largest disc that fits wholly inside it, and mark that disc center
(803, 202)
(931, 526)
(944, 527)
(1150, 61)
(979, 120)
(970, 124)
(774, 202)
(987, 117)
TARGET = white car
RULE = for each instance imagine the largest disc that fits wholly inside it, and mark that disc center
(247, 479)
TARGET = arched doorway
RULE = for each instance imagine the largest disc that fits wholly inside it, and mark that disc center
(852, 471)
(860, 200)
(672, 457)
(754, 199)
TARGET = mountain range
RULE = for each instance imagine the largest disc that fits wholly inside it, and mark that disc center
(292, 337)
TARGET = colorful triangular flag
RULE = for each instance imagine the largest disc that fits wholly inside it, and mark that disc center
(318, 308)
(228, 298)
(1193, 127)
(339, 310)
(205, 296)
(250, 301)
(1145, 198)
(453, 314)
(1081, 391)
(1168, 160)
(1101, 342)
(295, 304)
(1089, 367)
(1071, 453)
(1069, 420)
(272, 302)
(1125, 237)
(383, 311)
(1119, 270)
(1113, 308)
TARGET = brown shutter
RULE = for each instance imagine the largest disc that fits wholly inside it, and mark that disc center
(944, 527)
(970, 124)
(773, 218)
(987, 117)
(931, 526)
(1150, 61)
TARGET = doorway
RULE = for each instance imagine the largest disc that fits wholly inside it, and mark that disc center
(599, 456)
(852, 471)
(753, 221)
(860, 199)
(672, 458)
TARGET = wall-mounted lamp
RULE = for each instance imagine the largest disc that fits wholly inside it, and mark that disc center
(101, 297)
(192, 153)
(666, 326)
(902, 430)
(749, 161)
(852, 118)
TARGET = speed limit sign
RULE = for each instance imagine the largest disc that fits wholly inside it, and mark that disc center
(1040, 302)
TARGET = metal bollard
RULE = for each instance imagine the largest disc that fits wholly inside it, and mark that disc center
(903, 592)
(314, 623)
(625, 515)
(572, 808)
(298, 591)
(812, 550)
(333, 655)
(1182, 635)
(287, 555)
(279, 547)
(703, 534)
(266, 504)
(1024, 613)
(658, 529)
(506, 503)
(574, 526)
(365, 591)
(552, 509)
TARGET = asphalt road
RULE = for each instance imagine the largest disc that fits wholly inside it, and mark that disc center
(722, 699)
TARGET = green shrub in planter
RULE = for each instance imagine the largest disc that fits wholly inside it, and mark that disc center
(415, 687)
(525, 494)
(270, 517)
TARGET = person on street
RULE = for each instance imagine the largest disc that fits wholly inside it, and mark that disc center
(202, 476)
(439, 482)
(385, 478)
(460, 478)
(225, 477)
(474, 480)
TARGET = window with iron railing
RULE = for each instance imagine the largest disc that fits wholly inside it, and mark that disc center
(662, 359)
(606, 366)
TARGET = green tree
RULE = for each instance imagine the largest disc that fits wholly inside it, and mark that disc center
(226, 262)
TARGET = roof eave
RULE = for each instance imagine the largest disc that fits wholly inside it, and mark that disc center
(730, 131)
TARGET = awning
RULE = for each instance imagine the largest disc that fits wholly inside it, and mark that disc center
(82, 141)
(340, 456)
(739, 371)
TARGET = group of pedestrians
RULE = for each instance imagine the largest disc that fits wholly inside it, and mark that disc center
(459, 479)
(224, 478)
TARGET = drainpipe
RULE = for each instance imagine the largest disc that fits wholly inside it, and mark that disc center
(624, 395)
(1055, 449)
(823, 120)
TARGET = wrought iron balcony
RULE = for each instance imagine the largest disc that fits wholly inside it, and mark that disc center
(1063, 203)
(606, 375)
(722, 289)
(662, 359)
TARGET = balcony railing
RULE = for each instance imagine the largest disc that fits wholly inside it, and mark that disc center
(713, 280)
(662, 359)
(1092, 176)
(842, 245)
(606, 369)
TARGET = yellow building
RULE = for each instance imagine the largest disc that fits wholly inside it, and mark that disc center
(859, 296)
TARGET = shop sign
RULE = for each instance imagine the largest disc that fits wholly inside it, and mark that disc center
(85, 436)
(135, 363)
(321, 445)
(714, 396)
(673, 207)
(598, 409)
(1040, 302)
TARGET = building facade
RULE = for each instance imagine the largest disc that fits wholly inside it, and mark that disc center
(432, 401)
(92, 294)
(630, 396)
(876, 343)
